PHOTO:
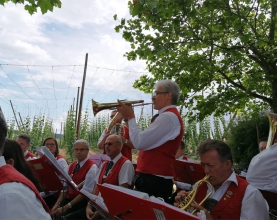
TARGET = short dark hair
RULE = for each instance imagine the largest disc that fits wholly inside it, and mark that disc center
(3, 131)
(56, 143)
(182, 145)
(26, 137)
(263, 139)
(223, 150)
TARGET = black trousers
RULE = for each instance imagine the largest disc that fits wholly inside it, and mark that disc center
(154, 185)
(78, 211)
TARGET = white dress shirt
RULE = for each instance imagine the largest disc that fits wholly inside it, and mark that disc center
(166, 127)
(253, 206)
(262, 171)
(126, 173)
(63, 164)
(18, 201)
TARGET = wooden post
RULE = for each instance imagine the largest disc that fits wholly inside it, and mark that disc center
(21, 120)
(15, 115)
(77, 105)
(81, 100)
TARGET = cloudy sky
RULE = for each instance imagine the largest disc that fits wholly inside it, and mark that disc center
(42, 58)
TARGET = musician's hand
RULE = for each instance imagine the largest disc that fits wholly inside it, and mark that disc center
(89, 212)
(59, 211)
(126, 111)
(199, 207)
(53, 210)
(179, 196)
(106, 134)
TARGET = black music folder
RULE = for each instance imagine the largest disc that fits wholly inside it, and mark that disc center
(188, 172)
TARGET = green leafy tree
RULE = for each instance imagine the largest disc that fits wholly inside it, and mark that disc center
(32, 5)
(244, 135)
(221, 53)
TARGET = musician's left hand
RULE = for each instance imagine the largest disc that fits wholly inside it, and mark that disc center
(60, 210)
(199, 207)
(126, 111)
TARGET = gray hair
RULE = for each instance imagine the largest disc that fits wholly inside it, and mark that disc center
(3, 131)
(170, 86)
(82, 141)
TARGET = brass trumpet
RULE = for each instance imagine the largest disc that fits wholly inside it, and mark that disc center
(186, 201)
(97, 106)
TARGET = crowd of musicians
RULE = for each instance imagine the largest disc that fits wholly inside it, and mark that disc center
(159, 145)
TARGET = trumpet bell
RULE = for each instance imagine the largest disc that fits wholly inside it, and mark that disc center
(97, 106)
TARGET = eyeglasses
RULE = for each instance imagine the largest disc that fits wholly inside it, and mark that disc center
(80, 149)
(50, 145)
(110, 143)
(157, 93)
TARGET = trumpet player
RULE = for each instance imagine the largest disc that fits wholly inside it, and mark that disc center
(127, 144)
(159, 142)
(232, 197)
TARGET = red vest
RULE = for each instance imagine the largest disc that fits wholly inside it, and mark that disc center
(9, 174)
(229, 206)
(29, 154)
(112, 177)
(159, 161)
(125, 151)
(78, 177)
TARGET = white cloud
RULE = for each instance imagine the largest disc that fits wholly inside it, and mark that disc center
(51, 44)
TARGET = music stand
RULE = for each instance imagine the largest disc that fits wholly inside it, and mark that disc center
(48, 157)
(47, 177)
(188, 172)
(125, 204)
(98, 203)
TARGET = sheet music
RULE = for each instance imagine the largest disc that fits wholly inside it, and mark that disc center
(43, 151)
(128, 191)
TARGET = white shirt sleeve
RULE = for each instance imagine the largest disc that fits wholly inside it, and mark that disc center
(17, 201)
(63, 164)
(254, 205)
(166, 127)
(90, 179)
(126, 173)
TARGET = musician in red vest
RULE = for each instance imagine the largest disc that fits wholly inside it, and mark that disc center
(52, 145)
(19, 198)
(83, 171)
(24, 141)
(118, 171)
(232, 197)
(159, 142)
(127, 144)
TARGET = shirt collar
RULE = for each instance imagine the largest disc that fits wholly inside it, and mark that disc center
(2, 161)
(26, 152)
(165, 108)
(117, 158)
(232, 178)
(83, 162)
